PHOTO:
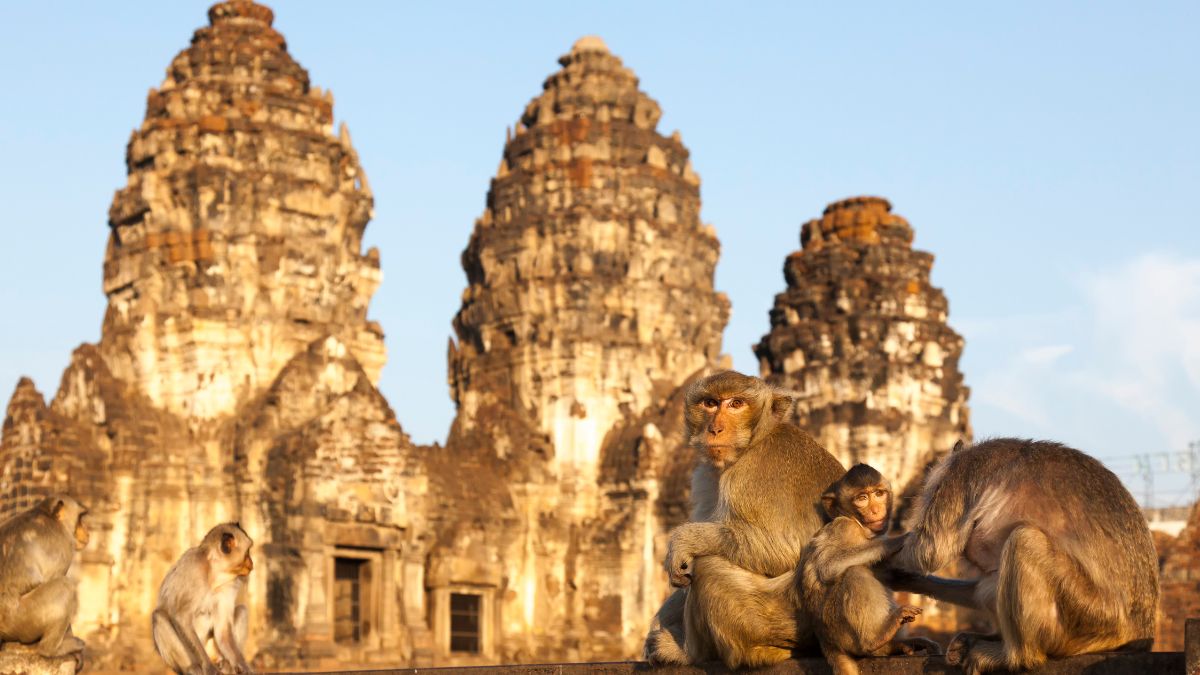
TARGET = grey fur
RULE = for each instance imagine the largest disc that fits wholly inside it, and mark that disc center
(1068, 565)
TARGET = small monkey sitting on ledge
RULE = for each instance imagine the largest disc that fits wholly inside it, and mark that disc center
(853, 613)
(198, 602)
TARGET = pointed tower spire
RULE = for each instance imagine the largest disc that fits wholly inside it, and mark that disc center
(860, 335)
(591, 275)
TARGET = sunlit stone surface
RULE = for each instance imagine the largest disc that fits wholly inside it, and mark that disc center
(861, 336)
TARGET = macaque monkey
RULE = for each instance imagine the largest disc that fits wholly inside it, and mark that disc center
(853, 613)
(1067, 562)
(37, 600)
(755, 493)
(198, 602)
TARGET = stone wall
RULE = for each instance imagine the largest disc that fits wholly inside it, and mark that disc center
(1179, 595)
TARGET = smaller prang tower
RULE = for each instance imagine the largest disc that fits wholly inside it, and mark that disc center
(860, 335)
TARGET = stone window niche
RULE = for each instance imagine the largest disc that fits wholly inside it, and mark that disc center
(463, 623)
(350, 580)
(356, 597)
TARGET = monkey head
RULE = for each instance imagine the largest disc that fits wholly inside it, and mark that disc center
(728, 412)
(862, 494)
(227, 547)
(69, 514)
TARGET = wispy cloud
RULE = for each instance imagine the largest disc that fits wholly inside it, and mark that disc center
(1146, 331)
(1116, 370)
(1045, 354)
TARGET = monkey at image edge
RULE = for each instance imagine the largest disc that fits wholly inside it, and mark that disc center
(37, 598)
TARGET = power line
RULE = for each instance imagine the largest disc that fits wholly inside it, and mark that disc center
(1147, 465)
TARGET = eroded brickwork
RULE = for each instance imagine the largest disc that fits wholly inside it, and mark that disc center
(861, 336)
(237, 240)
(1179, 582)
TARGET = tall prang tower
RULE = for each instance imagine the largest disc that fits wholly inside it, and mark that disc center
(589, 273)
(235, 374)
(590, 301)
(237, 240)
(860, 336)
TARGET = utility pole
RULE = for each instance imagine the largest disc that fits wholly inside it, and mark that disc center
(1145, 469)
(1193, 468)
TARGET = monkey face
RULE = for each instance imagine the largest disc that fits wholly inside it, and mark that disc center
(69, 514)
(81, 533)
(720, 425)
(871, 506)
(229, 550)
(862, 494)
(728, 412)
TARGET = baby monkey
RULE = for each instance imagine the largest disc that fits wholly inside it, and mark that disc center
(853, 613)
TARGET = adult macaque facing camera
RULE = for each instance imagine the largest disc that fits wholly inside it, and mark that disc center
(755, 493)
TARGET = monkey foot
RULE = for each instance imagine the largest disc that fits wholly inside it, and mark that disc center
(959, 647)
(921, 647)
(663, 650)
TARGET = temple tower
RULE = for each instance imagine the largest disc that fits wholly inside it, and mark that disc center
(861, 336)
(236, 241)
(590, 274)
(590, 301)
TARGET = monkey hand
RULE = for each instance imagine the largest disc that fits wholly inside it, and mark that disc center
(679, 565)
(688, 542)
(909, 612)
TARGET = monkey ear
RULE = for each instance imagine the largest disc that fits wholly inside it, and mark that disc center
(781, 404)
(958, 446)
(827, 501)
(228, 542)
(57, 509)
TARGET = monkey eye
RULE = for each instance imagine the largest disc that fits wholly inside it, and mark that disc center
(711, 403)
(881, 493)
(736, 403)
(860, 499)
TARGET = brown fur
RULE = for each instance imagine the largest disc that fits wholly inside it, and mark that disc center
(853, 613)
(1068, 565)
(198, 602)
(37, 599)
(754, 506)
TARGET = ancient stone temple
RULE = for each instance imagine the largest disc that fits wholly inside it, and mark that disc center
(589, 303)
(861, 337)
(235, 374)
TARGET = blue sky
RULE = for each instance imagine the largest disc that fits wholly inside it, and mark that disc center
(1047, 153)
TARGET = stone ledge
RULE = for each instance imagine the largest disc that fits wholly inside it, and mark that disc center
(1153, 663)
(15, 660)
